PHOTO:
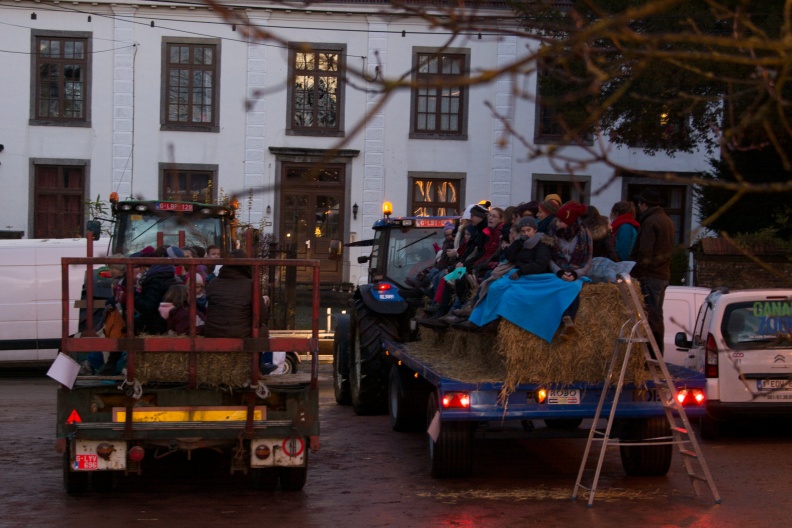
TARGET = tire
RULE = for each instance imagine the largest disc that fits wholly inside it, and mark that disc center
(294, 478)
(74, 482)
(566, 424)
(291, 364)
(649, 461)
(341, 361)
(265, 479)
(710, 428)
(368, 373)
(406, 401)
(452, 455)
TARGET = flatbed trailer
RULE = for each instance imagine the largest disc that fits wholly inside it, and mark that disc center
(455, 412)
(264, 426)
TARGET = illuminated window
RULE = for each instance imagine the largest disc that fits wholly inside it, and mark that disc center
(435, 196)
(315, 89)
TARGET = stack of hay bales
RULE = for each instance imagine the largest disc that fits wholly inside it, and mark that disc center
(582, 356)
(214, 369)
(515, 356)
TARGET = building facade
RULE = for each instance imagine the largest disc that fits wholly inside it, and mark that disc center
(286, 113)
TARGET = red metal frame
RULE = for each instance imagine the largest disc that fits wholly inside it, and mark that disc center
(192, 345)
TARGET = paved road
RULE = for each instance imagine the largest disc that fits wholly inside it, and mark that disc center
(367, 475)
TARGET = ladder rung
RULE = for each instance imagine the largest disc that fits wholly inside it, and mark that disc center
(681, 430)
(633, 340)
(652, 361)
(688, 453)
(697, 477)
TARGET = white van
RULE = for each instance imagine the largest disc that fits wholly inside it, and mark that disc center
(30, 298)
(680, 307)
(742, 341)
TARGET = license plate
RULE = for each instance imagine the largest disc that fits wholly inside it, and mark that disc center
(86, 462)
(563, 397)
(774, 384)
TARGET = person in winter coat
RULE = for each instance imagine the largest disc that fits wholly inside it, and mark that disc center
(573, 251)
(153, 286)
(652, 255)
(624, 227)
(532, 252)
(178, 318)
(598, 226)
(546, 214)
(229, 310)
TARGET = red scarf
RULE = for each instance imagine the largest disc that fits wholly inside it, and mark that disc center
(626, 218)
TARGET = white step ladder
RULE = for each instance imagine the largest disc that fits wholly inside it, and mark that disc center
(636, 331)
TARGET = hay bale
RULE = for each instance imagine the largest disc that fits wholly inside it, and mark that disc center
(515, 356)
(215, 369)
(581, 357)
(464, 356)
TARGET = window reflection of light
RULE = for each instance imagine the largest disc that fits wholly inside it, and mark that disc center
(318, 232)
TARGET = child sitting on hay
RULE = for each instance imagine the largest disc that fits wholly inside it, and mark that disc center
(178, 316)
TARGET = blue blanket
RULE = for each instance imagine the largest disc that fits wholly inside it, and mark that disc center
(535, 303)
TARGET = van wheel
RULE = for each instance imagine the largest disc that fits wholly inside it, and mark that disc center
(646, 461)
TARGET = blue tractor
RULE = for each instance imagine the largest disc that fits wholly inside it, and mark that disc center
(401, 248)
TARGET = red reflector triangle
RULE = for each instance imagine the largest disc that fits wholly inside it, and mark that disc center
(74, 418)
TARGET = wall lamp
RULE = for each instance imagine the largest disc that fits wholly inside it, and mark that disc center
(355, 210)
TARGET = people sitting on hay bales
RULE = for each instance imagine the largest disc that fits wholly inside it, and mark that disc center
(229, 303)
(545, 291)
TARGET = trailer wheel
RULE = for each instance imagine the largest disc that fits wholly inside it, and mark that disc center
(405, 401)
(648, 461)
(452, 454)
(74, 482)
(341, 361)
(294, 478)
(368, 376)
(265, 479)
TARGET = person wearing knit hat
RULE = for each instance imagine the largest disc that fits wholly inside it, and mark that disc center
(174, 252)
(527, 221)
(531, 208)
(553, 198)
(573, 250)
(570, 212)
(478, 211)
(546, 214)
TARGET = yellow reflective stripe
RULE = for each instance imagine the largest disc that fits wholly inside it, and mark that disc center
(189, 414)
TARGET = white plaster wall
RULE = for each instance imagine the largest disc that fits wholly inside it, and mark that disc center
(125, 144)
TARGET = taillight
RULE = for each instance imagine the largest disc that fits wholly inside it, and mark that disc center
(711, 367)
(136, 453)
(456, 400)
(690, 397)
(262, 452)
(383, 286)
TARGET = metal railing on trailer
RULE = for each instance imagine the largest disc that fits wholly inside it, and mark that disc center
(89, 341)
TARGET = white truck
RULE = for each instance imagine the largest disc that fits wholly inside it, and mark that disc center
(30, 304)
